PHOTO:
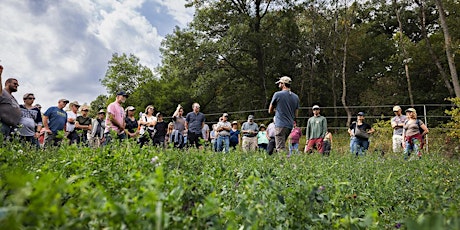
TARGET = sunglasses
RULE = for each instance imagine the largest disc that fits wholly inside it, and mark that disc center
(85, 110)
(30, 98)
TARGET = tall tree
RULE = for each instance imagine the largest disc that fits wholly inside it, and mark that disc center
(448, 47)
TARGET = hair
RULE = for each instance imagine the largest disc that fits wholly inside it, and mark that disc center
(10, 80)
(288, 85)
(148, 107)
(194, 104)
(27, 95)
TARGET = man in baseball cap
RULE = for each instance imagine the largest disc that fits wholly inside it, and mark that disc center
(397, 123)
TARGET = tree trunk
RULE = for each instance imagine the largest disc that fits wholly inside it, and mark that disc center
(260, 54)
(448, 45)
(405, 55)
(433, 55)
(344, 73)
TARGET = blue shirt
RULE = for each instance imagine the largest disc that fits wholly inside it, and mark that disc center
(195, 122)
(56, 118)
(285, 103)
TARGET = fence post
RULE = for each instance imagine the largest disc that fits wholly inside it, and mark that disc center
(426, 137)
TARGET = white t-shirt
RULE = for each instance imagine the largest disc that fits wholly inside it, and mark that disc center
(145, 118)
(71, 127)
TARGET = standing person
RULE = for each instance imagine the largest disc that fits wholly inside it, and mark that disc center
(115, 119)
(205, 134)
(361, 131)
(97, 133)
(83, 125)
(214, 135)
(327, 143)
(262, 140)
(54, 120)
(294, 139)
(161, 130)
(194, 122)
(70, 126)
(169, 133)
(131, 122)
(249, 130)
(177, 136)
(271, 130)
(397, 123)
(223, 139)
(285, 104)
(10, 113)
(316, 130)
(413, 132)
(31, 121)
(147, 122)
(234, 135)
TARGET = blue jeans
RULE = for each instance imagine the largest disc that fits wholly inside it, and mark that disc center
(108, 138)
(415, 147)
(225, 141)
(293, 147)
(360, 146)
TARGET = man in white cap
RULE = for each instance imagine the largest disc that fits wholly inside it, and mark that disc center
(316, 130)
(285, 104)
(249, 130)
(223, 139)
(71, 118)
(397, 123)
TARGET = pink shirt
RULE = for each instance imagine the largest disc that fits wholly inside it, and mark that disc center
(119, 115)
(295, 135)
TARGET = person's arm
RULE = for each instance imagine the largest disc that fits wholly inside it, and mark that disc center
(324, 128)
(115, 122)
(371, 130)
(45, 124)
(425, 129)
(394, 124)
(271, 109)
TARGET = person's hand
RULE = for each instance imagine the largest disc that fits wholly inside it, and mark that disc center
(48, 131)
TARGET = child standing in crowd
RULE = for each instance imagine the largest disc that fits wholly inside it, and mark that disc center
(294, 139)
(262, 139)
(327, 143)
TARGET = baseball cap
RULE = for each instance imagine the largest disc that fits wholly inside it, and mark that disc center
(361, 114)
(64, 100)
(396, 108)
(411, 110)
(27, 95)
(315, 107)
(122, 93)
(130, 108)
(101, 111)
(284, 79)
(234, 122)
(74, 103)
(225, 115)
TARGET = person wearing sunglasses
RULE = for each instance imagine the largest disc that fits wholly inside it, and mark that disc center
(31, 121)
(83, 125)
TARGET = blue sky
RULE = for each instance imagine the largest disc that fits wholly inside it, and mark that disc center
(60, 49)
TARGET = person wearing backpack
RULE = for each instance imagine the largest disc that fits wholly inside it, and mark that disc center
(413, 132)
(361, 131)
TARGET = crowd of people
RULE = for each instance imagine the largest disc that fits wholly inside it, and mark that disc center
(27, 122)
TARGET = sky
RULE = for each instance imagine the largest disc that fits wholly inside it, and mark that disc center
(60, 49)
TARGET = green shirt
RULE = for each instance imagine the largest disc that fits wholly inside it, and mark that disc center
(316, 127)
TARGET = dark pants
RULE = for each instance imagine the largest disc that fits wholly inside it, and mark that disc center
(5, 130)
(271, 145)
(108, 138)
(159, 141)
(194, 139)
(73, 137)
(52, 140)
(31, 140)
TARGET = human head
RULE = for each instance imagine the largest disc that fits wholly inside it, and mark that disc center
(235, 123)
(121, 97)
(159, 116)
(411, 113)
(149, 110)
(62, 103)
(284, 81)
(360, 116)
(251, 118)
(196, 107)
(397, 110)
(262, 127)
(38, 106)
(130, 111)
(225, 117)
(316, 110)
(28, 98)
(101, 114)
(84, 110)
(74, 106)
(11, 85)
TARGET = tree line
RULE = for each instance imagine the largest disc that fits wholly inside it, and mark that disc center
(338, 53)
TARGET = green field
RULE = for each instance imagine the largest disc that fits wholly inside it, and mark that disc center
(121, 188)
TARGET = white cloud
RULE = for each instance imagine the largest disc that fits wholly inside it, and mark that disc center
(60, 49)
